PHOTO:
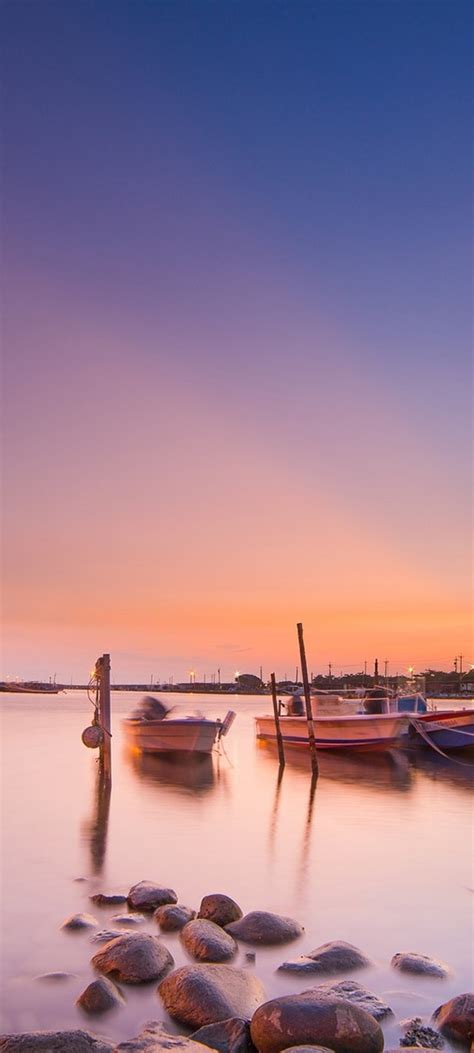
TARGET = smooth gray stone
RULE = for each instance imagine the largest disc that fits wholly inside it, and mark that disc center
(55, 1042)
(410, 962)
(207, 942)
(260, 926)
(196, 995)
(220, 909)
(134, 958)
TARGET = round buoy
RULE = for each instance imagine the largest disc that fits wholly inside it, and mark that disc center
(92, 736)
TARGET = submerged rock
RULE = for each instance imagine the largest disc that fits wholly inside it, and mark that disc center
(303, 1018)
(108, 899)
(357, 995)
(196, 995)
(416, 1033)
(456, 1018)
(220, 909)
(129, 919)
(100, 996)
(334, 957)
(79, 921)
(55, 1042)
(227, 1036)
(260, 926)
(173, 916)
(207, 942)
(147, 896)
(410, 962)
(134, 958)
(106, 935)
(156, 1039)
(307, 1049)
(56, 977)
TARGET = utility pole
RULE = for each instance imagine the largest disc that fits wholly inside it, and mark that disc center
(330, 671)
(461, 656)
(365, 667)
(376, 671)
(386, 667)
(455, 665)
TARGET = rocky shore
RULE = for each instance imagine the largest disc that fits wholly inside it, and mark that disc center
(224, 1007)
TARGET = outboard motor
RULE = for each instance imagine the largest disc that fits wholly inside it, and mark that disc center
(296, 707)
(151, 708)
(227, 723)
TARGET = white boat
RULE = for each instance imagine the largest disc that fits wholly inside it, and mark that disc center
(153, 730)
(354, 731)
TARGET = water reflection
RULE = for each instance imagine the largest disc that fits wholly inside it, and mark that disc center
(457, 770)
(195, 773)
(94, 829)
(390, 770)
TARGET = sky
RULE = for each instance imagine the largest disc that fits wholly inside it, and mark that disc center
(236, 336)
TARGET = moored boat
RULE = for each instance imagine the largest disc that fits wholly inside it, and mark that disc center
(152, 730)
(451, 729)
(355, 731)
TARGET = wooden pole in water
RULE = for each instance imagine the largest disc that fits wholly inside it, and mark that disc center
(307, 697)
(281, 752)
(103, 670)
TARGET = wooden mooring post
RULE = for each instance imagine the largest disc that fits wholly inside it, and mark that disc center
(307, 698)
(281, 752)
(102, 669)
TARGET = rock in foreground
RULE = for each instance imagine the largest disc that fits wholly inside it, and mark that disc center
(134, 958)
(156, 1039)
(228, 1036)
(410, 962)
(456, 1018)
(147, 896)
(100, 996)
(220, 909)
(54, 1042)
(260, 926)
(196, 995)
(172, 917)
(334, 957)
(207, 942)
(311, 1018)
(357, 995)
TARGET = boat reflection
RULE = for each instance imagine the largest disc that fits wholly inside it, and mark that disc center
(193, 775)
(390, 770)
(458, 770)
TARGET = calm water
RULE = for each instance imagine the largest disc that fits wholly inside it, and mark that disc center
(381, 854)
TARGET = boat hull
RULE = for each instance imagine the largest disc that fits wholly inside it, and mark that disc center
(188, 736)
(354, 732)
(447, 729)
